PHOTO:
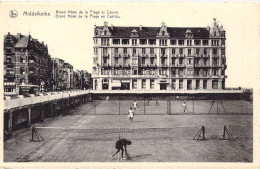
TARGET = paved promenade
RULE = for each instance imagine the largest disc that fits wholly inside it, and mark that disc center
(84, 137)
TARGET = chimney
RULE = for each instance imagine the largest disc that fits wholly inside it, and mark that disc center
(140, 27)
(18, 36)
(111, 26)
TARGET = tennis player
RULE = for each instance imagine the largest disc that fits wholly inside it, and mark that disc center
(135, 105)
(131, 114)
(121, 145)
(184, 106)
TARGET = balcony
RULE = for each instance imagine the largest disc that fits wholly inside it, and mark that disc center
(105, 44)
(173, 55)
(116, 55)
(180, 55)
(106, 65)
(125, 55)
(134, 55)
(215, 65)
(152, 55)
(163, 65)
(105, 55)
(215, 56)
(153, 65)
(163, 56)
(201, 65)
(126, 65)
(143, 65)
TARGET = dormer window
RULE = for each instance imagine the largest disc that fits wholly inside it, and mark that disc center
(163, 30)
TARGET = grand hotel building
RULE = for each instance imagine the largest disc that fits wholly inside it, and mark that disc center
(159, 58)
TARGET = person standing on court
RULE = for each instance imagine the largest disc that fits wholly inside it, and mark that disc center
(121, 144)
(184, 106)
(135, 105)
(131, 114)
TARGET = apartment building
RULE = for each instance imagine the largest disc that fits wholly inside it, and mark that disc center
(26, 62)
(159, 58)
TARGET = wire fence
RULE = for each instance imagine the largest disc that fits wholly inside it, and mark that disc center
(171, 105)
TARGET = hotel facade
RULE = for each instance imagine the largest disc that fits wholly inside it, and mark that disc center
(159, 58)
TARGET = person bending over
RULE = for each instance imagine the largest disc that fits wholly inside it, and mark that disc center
(121, 144)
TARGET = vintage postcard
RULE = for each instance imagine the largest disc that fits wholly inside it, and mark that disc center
(129, 85)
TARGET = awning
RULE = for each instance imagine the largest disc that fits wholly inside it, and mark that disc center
(125, 81)
(115, 84)
(163, 81)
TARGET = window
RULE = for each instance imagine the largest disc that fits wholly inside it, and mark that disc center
(104, 51)
(95, 51)
(125, 41)
(173, 61)
(143, 61)
(152, 50)
(134, 71)
(189, 61)
(116, 41)
(197, 51)
(204, 84)
(95, 41)
(152, 61)
(190, 72)
(143, 41)
(222, 51)
(173, 84)
(116, 60)
(134, 61)
(125, 50)
(205, 42)
(143, 50)
(189, 51)
(162, 51)
(189, 84)
(116, 50)
(181, 61)
(152, 84)
(181, 84)
(134, 51)
(152, 41)
(173, 51)
(163, 42)
(143, 83)
(205, 51)
(197, 84)
(181, 51)
(215, 51)
(134, 41)
(151, 72)
(181, 42)
(173, 72)
(197, 42)
(215, 84)
(173, 42)
(189, 42)
(134, 84)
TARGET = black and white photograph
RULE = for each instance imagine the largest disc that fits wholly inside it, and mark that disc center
(130, 84)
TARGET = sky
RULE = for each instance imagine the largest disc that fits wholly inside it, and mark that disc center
(71, 38)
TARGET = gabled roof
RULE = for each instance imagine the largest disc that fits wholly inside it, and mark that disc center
(152, 32)
(23, 42)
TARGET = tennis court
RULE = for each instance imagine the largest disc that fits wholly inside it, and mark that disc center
(89, 133)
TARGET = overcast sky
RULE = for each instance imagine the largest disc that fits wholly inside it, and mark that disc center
(71, 39)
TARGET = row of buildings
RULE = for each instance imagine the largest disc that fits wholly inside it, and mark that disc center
(159, 58)
(28, 63)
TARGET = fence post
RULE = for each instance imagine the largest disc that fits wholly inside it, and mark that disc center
(241, 103)
(144, 105)
(193, 104)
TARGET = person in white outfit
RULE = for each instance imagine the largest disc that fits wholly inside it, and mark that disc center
(135, 105)
(131, 114)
